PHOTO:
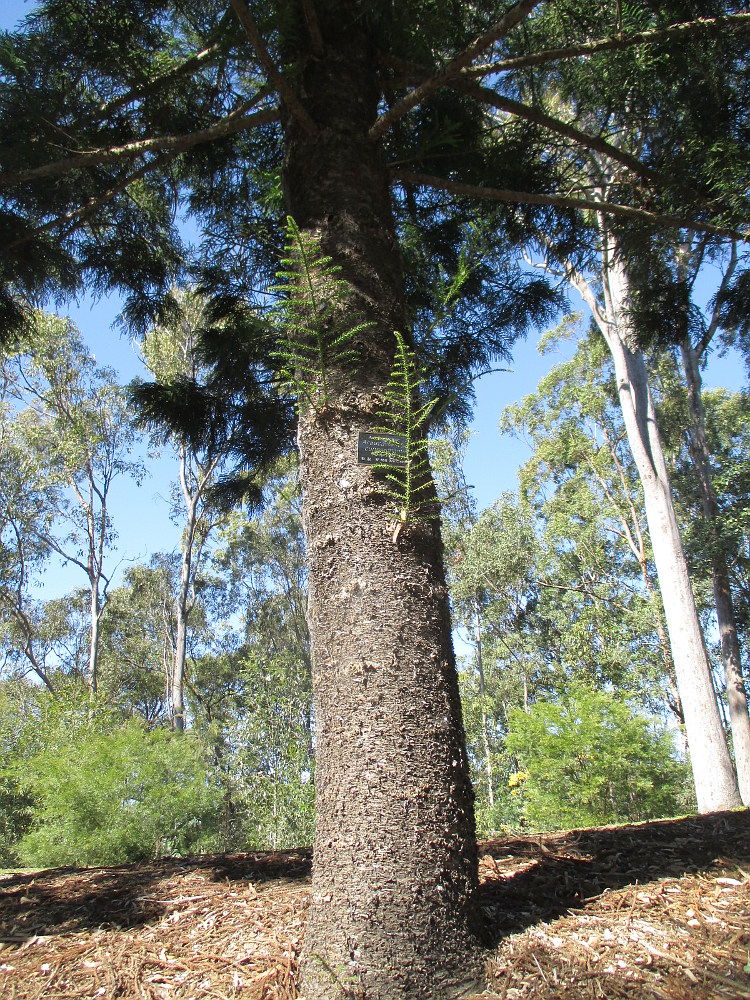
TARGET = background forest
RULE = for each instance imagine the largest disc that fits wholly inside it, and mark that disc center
(172, 712)
(597, 160)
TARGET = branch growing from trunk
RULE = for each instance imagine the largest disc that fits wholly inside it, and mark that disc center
(510, 19)
(538, 117)
(277, 78)
(234, 122)
(687, 29)
(562, 201)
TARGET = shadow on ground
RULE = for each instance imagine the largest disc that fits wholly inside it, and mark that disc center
(529, 879)
(69, 900)
(525, 879)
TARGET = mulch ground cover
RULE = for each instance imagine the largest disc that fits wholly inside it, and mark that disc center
(654, 910)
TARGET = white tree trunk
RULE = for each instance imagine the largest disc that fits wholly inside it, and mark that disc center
(485, 735)
(730, 648)
(713, 773)
(183, 599)
(94, 646)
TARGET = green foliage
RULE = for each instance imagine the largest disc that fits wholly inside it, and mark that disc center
(214, 394)
(107, 791)
(272, 762)
(316, 340)
(402, 448)
(590, 761)
(16, 803)
(597, 583)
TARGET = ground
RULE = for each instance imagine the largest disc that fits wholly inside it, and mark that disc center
(654, 910)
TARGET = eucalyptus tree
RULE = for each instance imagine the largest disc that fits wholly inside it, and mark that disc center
(261, 560)
(604, 273)
(664, 303)
(374, 129)
(584, 485)
(139, 639)
(716, 782)
(75, 434)
(22, 555)
(728, 433)
(459, 517)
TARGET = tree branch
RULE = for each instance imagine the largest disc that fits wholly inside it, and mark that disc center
(313, 27)
(538, 117)
(712, 327)
(110, 108)
(732, 22)
(561, 201)
(275, 77)
(509, 20)
(234, 122)
(70, 220)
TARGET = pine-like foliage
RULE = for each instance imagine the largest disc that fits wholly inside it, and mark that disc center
(314, 340)
(402, 445)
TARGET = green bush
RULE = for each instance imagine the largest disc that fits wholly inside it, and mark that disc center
(588, 760)
(107, 791)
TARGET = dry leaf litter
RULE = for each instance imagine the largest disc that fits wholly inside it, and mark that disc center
(653, 910)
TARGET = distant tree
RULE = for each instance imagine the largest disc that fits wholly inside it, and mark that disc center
(598, 567)
(607, 290)
(171, 351)
(258, 701)
(16, 802)
(76, 434)
(23, 513)
(664, 310)
(138, 641)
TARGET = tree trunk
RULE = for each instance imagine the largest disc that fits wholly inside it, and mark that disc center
(395, 856)
(715, 781)
(182, 610)
(673, 698)
(96, 612)
(485, 735)
(730, 647)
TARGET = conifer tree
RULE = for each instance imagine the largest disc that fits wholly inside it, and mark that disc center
(366, 127)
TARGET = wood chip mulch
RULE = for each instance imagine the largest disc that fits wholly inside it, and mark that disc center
(653, 910)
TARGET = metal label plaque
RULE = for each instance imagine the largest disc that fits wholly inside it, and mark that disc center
(380, 449)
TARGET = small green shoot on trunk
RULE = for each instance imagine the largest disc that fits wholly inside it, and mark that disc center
(314, 340)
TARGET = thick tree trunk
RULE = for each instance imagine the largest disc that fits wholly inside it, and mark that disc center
(715, 781)
(730, 647)
(395, 857)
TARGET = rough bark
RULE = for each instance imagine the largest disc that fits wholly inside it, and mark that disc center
(730, 647)
(395, 858)
(715, 780)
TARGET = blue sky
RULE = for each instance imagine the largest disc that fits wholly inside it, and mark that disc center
(140, 513)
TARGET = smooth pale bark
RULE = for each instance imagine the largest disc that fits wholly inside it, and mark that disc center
(634, 537)
(96, 535)
(395, 855)
(485, 737)
(731, 657)
(183, 599)
(94, 647)
(713, 773)
(194, 477)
